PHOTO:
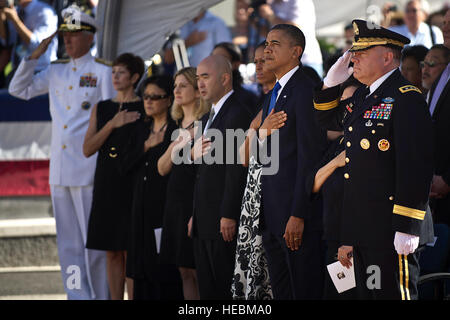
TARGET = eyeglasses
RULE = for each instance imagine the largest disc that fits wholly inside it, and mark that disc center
(430, 64)
(154, 97)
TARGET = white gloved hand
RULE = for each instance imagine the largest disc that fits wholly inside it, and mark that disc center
(405, 243)
(340, 71)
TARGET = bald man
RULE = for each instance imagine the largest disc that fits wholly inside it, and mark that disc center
(219, 184)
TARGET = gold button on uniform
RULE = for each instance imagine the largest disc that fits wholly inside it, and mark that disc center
(347, 160)
(373, 131)
(350, 129)
(70, 87)
(74, 69)
(68, 107)
(391, 198)
(63, 146)
(65, 126)
(346, 176)
(348, 144)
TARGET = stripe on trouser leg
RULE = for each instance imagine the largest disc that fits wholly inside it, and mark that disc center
(405, 257)
(400, 269)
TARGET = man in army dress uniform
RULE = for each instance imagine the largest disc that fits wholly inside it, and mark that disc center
(389, 165)
(74, 85)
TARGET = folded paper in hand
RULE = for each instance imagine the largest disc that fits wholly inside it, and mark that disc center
(343, 278)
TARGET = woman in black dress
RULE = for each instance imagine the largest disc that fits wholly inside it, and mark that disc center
(149, 140)
(110, 123)
(176, 246)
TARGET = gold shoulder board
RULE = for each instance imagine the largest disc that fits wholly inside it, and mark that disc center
(60, 61)
(408, 88)
(103, 61)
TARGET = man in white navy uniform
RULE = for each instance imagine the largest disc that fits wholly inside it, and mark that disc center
(74, 85)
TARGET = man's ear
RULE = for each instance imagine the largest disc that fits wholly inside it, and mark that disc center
(226, 78)
(298, 52)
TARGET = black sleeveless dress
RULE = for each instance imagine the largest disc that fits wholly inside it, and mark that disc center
(176, 246)
(112, 196)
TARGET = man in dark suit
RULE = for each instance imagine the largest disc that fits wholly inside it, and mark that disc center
(291, 223)
(219, 184)
(439, 103)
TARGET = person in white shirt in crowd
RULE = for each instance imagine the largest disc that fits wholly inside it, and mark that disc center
(74, 85)
(200, 35)
(29, 23)
(302, 14)
(415, 28)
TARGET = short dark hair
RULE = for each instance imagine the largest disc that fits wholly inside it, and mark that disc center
(418, 53)
(164, 82)
(133, 63)
(396, 51)
(294, 33)
(445, 51)
(233, 50)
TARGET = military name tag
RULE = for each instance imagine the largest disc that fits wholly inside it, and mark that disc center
(365, 144)
(88, 80)
(383, 145)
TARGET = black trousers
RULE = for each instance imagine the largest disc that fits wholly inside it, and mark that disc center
(214, 262)
(166, 285)
(296, 275)
(382, 274)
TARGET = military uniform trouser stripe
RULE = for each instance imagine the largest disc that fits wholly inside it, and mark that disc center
(404, 276)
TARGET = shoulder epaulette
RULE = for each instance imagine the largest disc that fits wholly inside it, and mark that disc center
(61, 61)
(408, 88)
(103, 61)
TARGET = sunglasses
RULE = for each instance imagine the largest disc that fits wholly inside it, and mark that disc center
(154, 97)
(430, 64)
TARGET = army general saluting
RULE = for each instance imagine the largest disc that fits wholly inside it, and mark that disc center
(388, 170)
(73, 85)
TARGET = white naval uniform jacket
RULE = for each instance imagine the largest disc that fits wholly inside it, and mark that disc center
(74, 87)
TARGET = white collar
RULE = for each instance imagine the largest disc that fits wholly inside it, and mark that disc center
(83, 59)
(374, 86)
(284, 79)
(220, 103)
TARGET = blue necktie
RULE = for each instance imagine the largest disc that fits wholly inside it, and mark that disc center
(273, 97)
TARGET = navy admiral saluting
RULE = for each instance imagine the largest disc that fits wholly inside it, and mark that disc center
(73, 85)
(388, 146)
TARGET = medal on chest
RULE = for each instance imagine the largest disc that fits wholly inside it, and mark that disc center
(88, 80)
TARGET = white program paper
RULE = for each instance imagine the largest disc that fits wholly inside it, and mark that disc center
(343, 278)
(158, 239)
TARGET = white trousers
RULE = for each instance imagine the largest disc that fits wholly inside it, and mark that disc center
(83, 270)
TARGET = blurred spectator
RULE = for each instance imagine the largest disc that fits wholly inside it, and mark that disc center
(415, 28)
(5, 49)
(302, 14)
(437, 18)
(439, 101)
(410, 64)
(28, 24)
(200, 36)
(349, 36)
(434, 63)
(391, 15)
(233, 54)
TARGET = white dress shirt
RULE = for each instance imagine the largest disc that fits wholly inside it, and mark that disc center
(374, 86)
(422, 36)
(42, 21)
(303, 14)
(217, 108)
